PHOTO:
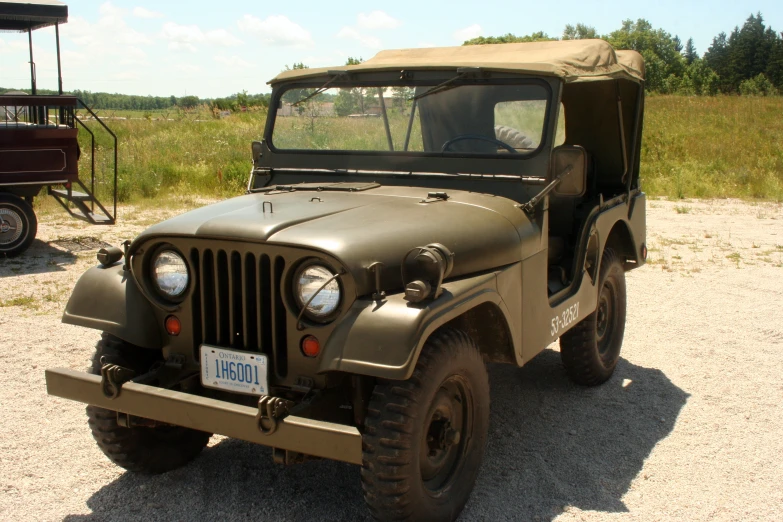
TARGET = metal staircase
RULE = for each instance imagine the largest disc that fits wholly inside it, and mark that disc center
(82, 203)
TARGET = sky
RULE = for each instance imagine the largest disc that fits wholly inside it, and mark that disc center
(214, 49)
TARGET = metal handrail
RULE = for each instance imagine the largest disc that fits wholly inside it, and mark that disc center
(92, 156)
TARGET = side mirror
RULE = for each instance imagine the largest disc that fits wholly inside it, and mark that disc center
(569, 162)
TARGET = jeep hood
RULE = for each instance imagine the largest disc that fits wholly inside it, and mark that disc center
(361, 228)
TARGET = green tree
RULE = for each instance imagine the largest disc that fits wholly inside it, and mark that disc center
(346, 102)
(579, 32)
(757, 86)
(677, 43)
(188, 102)
(690, 53)
(538, 36)
(747, 52)
(659, 49)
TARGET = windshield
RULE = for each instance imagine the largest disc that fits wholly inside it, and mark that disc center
(460, 118)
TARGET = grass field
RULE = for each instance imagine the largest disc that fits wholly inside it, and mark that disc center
(692, 147)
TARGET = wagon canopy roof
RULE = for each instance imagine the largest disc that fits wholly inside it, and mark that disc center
(21, 15)
(572, 60)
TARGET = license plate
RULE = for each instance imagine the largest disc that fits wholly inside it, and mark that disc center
(234, 371)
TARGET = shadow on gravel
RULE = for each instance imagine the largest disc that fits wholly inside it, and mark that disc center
(40, 258)
(551, 445)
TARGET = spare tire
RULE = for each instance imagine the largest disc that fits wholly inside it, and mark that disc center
(513, 137)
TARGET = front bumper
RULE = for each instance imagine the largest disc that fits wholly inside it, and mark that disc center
(298, 434)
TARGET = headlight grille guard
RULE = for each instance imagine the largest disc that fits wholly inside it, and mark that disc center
(299, 325)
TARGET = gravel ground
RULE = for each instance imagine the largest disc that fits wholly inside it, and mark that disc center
(689, 428)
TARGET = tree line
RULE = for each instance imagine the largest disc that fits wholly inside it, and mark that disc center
(748, 61)
(115, 101)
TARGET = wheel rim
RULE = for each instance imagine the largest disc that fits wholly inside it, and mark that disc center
(11, 226)
(605, 318)
(446, 435)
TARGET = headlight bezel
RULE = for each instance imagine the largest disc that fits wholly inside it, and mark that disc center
(300, 304)
(159, 292)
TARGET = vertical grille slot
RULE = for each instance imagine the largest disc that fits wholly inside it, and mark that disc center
(221, 276)
(235, 281)
(198, 319)
(265, 304)
(208, 300)
(250, 299)
(237, 303)
(279, 314)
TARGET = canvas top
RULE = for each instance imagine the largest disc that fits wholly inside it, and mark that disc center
(572, 60)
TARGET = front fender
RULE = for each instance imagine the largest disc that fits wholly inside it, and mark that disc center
(107, 299)
(384, 338)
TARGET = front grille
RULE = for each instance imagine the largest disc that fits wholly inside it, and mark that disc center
(238, 303)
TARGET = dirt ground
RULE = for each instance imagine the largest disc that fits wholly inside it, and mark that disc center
(689, 428)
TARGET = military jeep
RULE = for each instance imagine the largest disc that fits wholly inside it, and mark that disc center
(407, 221)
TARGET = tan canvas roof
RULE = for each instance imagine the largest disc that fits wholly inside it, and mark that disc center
(572, 60)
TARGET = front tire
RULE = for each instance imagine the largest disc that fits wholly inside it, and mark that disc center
(142, 449)
(591, 349)
(18, 225)
(424, 438)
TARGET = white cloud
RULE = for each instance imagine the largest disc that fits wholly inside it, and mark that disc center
(182, 33)
(109, 9)
(467, 33)
(351, 33)
(187, 68)
(134, 56)
(377, 20)
(365, 22)
(140, 12)
(126, 75)
(107, 32)
(233, 61)
(276, 30)
(182, 46)
(183, 37)
(222, 37)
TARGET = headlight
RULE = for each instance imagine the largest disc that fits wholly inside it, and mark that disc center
(307, 282)
(170, 274)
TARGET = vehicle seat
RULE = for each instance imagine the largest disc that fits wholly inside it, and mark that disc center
(564, 219)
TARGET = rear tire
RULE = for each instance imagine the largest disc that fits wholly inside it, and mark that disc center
(424, 438)
(591, 349)
(141, 449)
(18, 225)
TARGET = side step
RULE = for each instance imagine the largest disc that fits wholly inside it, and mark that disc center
(84, 203)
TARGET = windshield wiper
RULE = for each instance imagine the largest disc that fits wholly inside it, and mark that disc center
(462, 72)
(334, 75)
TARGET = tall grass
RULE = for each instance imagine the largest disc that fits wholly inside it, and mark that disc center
(691, 147)
(727, 146)
(207, 156)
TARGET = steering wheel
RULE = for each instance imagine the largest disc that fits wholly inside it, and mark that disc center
(479, 137)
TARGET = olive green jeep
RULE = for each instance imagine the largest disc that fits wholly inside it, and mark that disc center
(407, 221)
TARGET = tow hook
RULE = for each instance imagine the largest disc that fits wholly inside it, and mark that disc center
(113, 376)
(270, 411)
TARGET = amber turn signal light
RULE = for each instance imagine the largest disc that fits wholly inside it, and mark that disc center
(310, 346)
(173, 325)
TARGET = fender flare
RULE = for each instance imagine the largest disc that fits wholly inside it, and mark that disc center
(108, 299)
(384, 338)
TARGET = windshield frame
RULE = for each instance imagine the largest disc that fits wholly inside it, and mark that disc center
(532, 164)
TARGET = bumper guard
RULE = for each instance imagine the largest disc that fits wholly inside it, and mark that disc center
(298, 434)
